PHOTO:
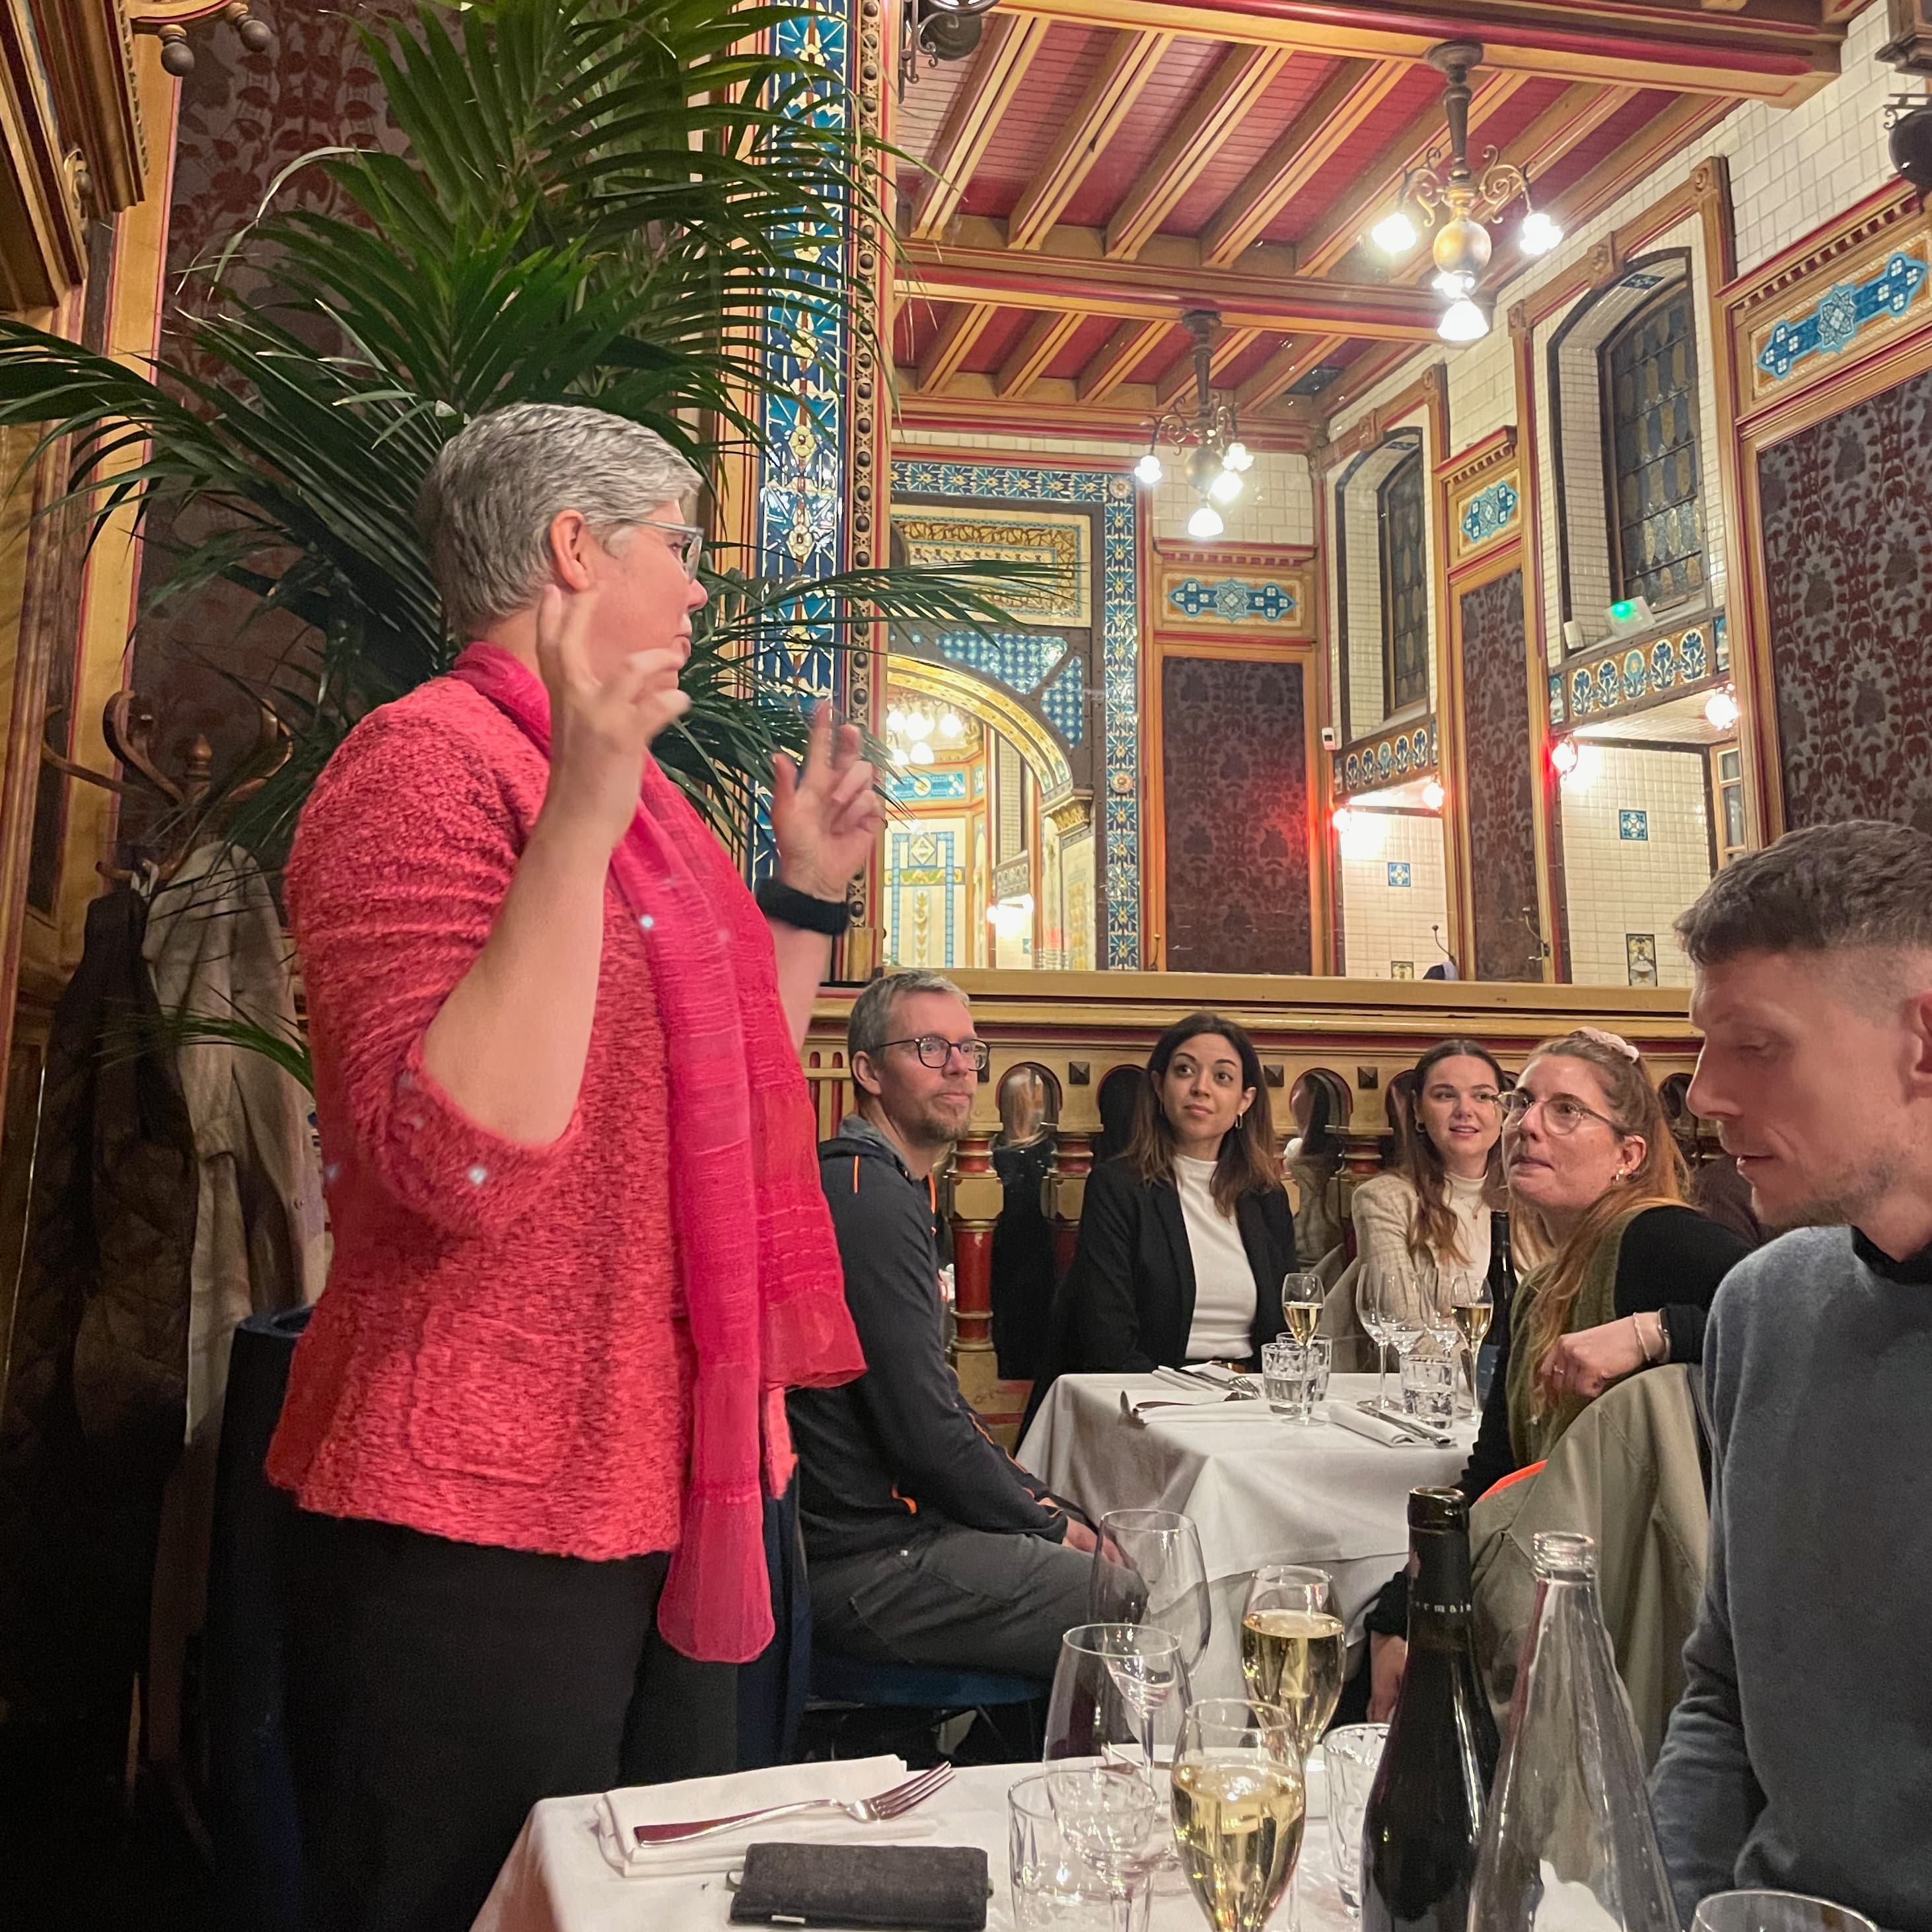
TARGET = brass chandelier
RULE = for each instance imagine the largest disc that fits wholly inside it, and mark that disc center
(1208, 441)
(1466, 202)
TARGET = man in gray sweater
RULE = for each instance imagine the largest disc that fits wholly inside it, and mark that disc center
(1800, 1758)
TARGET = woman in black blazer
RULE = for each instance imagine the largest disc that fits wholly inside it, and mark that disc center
(1184, 1239)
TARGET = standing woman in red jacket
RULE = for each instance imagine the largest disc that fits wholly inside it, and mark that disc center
(580, 1248)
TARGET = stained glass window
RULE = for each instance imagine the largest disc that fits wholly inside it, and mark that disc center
(1650, 407)
(1402, 503)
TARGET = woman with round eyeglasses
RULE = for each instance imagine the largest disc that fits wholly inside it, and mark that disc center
(1593, 1170)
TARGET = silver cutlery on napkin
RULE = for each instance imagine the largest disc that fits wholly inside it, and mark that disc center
(901, 1797)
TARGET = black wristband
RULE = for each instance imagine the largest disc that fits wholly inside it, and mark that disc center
(779, 901)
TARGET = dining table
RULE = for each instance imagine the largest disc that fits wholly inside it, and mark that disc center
(558, 1879)
(1259, 1488)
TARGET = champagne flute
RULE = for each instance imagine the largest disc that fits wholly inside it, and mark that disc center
(1302, 1295)
(1371, 1293)
(1474, 1309)
(1118, 1691)
(1294, 1647)
(1148, 1569)
(1238, 1807)
(1109, 1812)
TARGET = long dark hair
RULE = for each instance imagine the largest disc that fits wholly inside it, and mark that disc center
(1419, 1160)
(1247, 1163)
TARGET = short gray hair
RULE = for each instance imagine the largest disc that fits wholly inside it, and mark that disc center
(1862, 883)
(871, 1025)
(486, 507)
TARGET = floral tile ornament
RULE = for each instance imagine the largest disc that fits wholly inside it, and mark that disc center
(1633, 826)
(1490, 512)
(1841, 314)
(1401, 969)
(1233, 600)
(1640, 958)
(1399, 874)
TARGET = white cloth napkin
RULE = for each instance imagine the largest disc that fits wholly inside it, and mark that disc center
(619, 1812)
(1376, 1428)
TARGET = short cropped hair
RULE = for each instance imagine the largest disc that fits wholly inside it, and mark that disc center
(486, 507)
(1862, 883)
(875, 1011)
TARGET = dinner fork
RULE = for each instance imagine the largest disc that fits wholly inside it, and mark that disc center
(866, 1810)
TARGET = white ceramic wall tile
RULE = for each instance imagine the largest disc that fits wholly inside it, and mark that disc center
(1384, 924)
(1626, 874)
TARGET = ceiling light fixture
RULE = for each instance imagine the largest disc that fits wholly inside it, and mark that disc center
(1433, 795)
(1721, 710)
(1215, 457)
(939, 30)
(1466, 201)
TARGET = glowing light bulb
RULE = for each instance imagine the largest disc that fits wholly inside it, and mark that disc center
(1563, 756)
(920, 754)
(1463, 322)
(1453, 284)
(1395, 233)
(1433, 795)
(949, 726)
(1721, 709)
(1226, 487)
(1540, 233)
(1239, 457)
(895, 720)
(1205, 522)
(1148, 470)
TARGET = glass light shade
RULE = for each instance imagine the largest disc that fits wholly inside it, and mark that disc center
(1395, 233)
(1206, 522)
(895, 720)
(1563, 756)
(1463, 322)
(1226, 487)
(1721, 710)
(1149, 470)
(1453, 284)
(1238, 456)
(1540, 233)
(920, 754)
(949, 726)
(1432, 796)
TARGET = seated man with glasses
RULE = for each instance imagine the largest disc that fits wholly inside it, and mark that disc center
(927, 1544)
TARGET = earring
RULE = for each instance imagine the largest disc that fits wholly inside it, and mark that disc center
(1239, 1118)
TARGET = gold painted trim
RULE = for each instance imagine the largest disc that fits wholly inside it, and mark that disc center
(991, 705)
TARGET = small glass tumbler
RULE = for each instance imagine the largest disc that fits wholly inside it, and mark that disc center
(1429, 1388)
(1284, 1379)
(1053, 1889)
(1775, 1911)
(1350, 1756)
(1320, 1358)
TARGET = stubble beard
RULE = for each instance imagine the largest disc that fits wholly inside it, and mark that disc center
(1850, 1196)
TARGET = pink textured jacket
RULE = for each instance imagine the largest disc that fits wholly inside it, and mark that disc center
(500, 1357)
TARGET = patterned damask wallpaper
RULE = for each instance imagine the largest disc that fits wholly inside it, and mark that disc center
(1847, 515)
(1234, 758)
(1501, 807)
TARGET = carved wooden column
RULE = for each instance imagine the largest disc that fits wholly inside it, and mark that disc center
(1067, 1194)
(976, 1200)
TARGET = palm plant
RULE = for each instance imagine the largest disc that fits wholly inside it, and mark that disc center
(598, 202)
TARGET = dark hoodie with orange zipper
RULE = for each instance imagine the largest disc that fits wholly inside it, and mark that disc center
(899, 1453)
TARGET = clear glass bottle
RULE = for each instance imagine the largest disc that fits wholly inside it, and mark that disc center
(1568, 1844)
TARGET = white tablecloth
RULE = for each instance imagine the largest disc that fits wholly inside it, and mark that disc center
(556, 1880)
(1258, 1490)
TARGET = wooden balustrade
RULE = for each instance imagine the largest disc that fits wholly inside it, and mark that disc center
(1077, 1027)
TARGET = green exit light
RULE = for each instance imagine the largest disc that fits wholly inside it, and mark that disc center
(1622, 613)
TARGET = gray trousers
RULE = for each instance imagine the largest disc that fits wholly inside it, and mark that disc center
(962, 1597)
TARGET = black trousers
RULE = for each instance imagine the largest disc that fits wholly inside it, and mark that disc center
(437, 1690)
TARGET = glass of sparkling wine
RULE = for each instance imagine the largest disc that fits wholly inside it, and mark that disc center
(1294, 1647)
(1238, 1807)
(1473, 1309)
(1302, 1296)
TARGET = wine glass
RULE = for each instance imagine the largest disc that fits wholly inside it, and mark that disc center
(1294, 1646)
(1775, 1912)
(1109, 1812)
(1370, 1293)
(1148, 1569)
(1302, 1295)
(1472, 1309)
(1238, 1806)
(1118, 1691)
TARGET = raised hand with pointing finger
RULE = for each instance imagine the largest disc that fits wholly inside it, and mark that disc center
(825, 819)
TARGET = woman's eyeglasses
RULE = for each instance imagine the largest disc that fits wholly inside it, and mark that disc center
(934, 1050)
(1560, 1114)
(688, 541)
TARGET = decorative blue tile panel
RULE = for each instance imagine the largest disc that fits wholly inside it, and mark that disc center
(1407, 754)
(1721, 641)
(1232, 600)
(1398, 874)
(922, 858)
(1489, 512)
(1634, 825)
(1641, 279)
(1119, 635)
(1559, 712)
(1018, 659)
(1064, 703)
(923, 788)
(1842, 312)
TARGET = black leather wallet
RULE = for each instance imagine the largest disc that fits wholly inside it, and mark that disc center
(877, 1888)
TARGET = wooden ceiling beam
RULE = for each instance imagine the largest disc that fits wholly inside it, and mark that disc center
(1780, 58)
(1045, 336)
(1127, 68)
(961, 329)
(1283, 369)
(1118, 358)
(1323, 250)
(1352, 98)
(1147, 290)
(1237, 84)
(1005, 53)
